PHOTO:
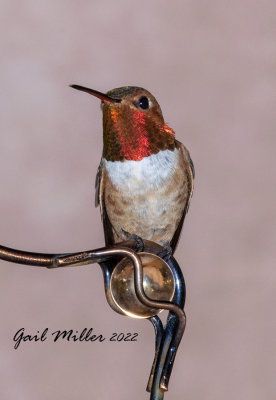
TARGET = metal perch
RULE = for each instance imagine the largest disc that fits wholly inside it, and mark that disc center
(138, 269)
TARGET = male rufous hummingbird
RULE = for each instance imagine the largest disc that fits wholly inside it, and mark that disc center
(144, 182)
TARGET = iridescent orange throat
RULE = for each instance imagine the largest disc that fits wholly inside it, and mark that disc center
(132, 135)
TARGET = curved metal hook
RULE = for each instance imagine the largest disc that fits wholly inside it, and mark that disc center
(174, 331)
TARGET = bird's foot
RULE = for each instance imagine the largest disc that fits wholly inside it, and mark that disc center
(166, 252)
(139, 242)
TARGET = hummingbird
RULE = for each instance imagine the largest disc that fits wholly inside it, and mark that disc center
(144, 182)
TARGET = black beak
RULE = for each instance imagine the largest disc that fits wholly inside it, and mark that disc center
(95, 93)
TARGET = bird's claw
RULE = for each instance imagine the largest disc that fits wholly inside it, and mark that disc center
(166, 252)
(139, 242)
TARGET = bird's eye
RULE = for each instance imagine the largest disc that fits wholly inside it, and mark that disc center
(143, 103)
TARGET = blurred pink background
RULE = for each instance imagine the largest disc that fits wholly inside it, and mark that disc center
(212, 67)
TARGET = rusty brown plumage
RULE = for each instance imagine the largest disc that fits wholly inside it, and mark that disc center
(145, 179)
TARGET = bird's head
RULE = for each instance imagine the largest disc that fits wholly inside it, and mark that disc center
(133, 124)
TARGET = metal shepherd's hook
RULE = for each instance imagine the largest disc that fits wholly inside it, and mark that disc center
(137, 270)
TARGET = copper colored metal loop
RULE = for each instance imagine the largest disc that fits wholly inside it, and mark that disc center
(168, 338)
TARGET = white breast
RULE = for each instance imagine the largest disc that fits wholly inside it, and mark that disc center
(141, 176)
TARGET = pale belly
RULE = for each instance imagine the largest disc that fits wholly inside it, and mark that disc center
(146, 198)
